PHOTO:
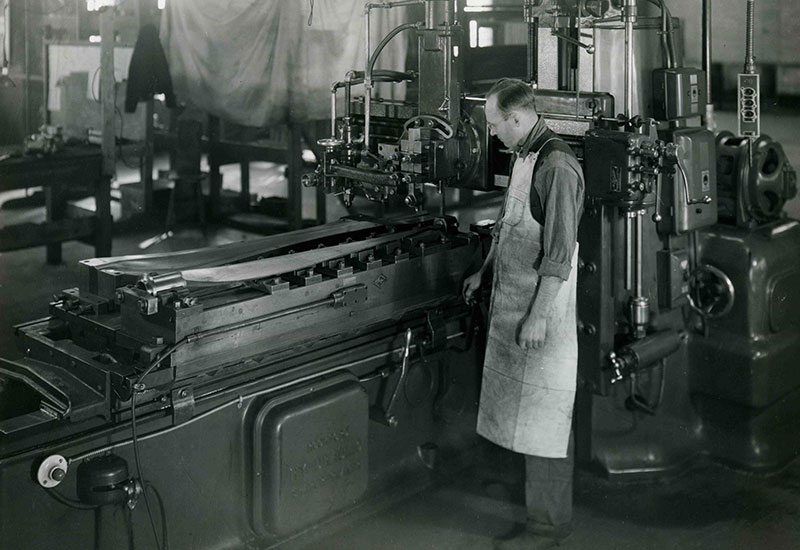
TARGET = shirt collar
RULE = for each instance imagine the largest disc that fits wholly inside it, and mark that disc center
(535, 139)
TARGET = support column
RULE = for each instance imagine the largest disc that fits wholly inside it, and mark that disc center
(104, 226)
(295, 191)
(214, 175)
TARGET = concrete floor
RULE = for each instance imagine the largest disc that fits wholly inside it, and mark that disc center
(706, 507)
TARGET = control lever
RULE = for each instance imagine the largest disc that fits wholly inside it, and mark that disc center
(388, 417)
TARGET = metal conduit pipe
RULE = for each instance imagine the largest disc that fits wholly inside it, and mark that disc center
(750, 60)
(367, 80)
(706, 19)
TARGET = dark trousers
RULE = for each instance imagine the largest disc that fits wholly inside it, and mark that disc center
(548, 491)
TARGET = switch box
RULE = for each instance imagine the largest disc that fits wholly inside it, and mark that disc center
(688, 197)
(678, 93)
(749, 105)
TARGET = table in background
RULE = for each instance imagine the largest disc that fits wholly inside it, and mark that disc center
(74, 166)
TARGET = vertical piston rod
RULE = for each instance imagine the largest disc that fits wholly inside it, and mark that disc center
(533, 42)
(367, 80)
(630, 19)
(628, 251)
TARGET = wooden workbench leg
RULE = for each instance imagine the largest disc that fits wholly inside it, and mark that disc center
(147, 159)
(55, 207)
(245, 180)
(104, 223)
(295, 203)
(214, 176)
(322, 207)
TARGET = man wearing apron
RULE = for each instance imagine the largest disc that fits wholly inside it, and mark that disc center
(529, 375)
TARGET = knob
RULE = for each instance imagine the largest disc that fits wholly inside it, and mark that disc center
(52, 471)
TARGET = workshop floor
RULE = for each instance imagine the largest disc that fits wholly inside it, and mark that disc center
(707, 507)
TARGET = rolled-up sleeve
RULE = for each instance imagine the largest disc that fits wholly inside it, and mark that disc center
(560, 190)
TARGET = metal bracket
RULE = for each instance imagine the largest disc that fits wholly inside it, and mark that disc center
(182, 404)
(437, 331)
(349, 296)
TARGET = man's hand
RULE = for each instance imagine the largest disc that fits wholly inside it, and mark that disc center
(532, 332)
(471, 284)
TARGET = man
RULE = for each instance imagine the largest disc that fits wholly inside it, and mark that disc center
(528, 387)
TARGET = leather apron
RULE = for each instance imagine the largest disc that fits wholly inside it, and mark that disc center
(527, 396)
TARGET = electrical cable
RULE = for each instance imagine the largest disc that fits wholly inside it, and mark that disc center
(163, 511)
(138, 386)
(139, 467)
(72, 503)
(94, 76)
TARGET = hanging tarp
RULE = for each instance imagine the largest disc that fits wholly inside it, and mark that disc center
(258, 62)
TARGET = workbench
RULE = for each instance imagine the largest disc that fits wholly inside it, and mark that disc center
(56, 173)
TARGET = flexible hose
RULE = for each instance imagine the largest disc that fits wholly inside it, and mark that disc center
(386, 39)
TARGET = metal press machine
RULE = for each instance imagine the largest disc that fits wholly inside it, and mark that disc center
(242, 395)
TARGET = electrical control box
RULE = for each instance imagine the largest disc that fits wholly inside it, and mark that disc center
(623, 167)
(688, 194)
(678, 93)
(749, 105)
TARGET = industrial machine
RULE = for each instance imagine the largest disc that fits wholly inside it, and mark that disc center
(243, 394)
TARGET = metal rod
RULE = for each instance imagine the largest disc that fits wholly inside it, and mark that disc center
(630, 17)
(333, 111)
(260, 319)
(367, 81)
(533, 52)
(400, 4)
(638, 273)
(628, 252)
(707, 47)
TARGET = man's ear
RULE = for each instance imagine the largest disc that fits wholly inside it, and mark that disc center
(515, 118)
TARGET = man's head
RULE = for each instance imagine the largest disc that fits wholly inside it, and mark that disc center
(511, 111)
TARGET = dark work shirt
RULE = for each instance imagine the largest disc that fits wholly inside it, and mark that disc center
(557, 200)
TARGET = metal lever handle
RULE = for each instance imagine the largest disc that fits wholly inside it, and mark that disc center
(390, 418)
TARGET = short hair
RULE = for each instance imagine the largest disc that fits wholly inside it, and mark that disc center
(512, 94)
